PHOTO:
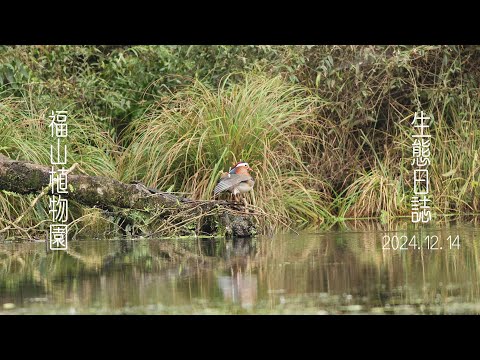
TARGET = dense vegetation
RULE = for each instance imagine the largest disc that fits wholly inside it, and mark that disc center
(326, 128)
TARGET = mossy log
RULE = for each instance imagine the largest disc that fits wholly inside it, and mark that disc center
(212, 217)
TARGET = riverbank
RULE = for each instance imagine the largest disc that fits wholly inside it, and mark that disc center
(327, 129)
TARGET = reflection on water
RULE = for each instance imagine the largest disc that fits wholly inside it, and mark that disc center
(334, 272)
(238, 286)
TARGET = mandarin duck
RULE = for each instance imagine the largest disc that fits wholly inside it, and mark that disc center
(237, 181)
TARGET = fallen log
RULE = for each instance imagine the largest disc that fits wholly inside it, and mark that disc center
(211, 217)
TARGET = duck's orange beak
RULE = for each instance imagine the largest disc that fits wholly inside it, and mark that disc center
(250, 169)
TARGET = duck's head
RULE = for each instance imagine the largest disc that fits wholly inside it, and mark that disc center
(241, 167)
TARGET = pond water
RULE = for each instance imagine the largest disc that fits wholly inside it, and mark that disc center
(355, 269)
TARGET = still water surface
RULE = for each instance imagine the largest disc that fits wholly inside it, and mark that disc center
(344, 271)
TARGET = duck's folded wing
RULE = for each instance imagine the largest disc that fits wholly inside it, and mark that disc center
(229, 182)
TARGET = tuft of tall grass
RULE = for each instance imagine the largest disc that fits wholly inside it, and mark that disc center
(454, 172)
(25, 135)
(184, 144)
(378, 189)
